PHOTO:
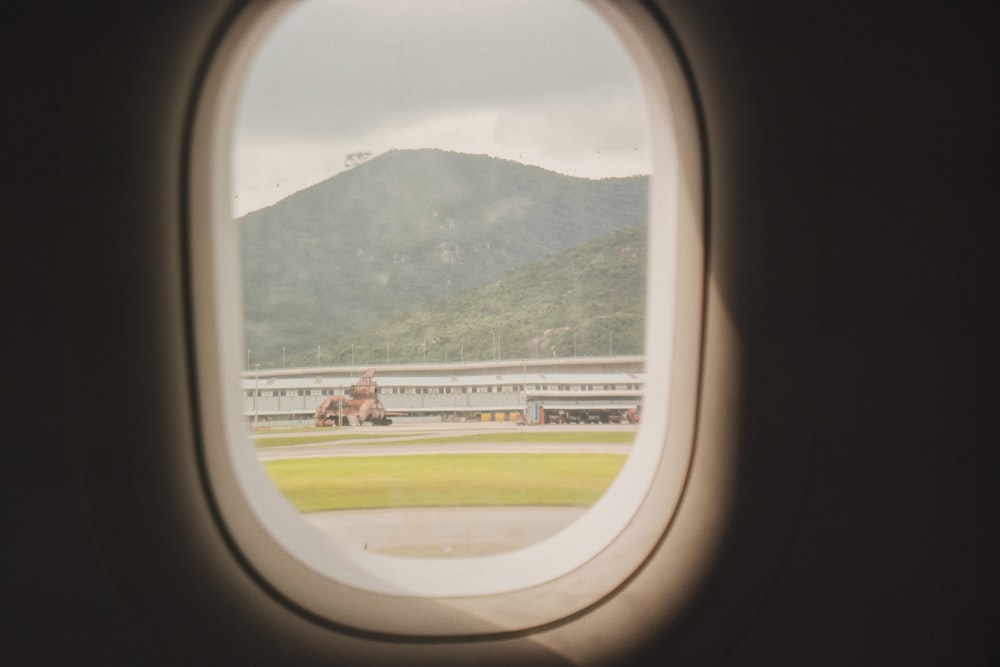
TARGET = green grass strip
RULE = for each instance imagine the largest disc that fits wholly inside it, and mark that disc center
(571, 437)
(329, 436)
(553, 437)
(444, 480)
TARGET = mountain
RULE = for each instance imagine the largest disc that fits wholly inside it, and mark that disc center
(409, 228)
(585, 301)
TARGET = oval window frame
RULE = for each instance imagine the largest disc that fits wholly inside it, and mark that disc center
(558, 578)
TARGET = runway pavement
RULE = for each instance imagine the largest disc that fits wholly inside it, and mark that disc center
(444, 532)
(383, 444)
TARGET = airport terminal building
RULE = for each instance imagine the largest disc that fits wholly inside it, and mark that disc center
(582, 389)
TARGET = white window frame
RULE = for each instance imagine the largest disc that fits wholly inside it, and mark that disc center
(545, 583)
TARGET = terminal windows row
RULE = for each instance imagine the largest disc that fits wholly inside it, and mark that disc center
(266, 393)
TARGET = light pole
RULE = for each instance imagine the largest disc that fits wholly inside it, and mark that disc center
(256, 391)
(524, 388)
(282, 356)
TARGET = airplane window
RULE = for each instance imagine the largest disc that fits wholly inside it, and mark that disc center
(429, 193)
(466, 204)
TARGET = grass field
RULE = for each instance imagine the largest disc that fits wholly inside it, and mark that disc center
(328, 436)
(531, 436)
(440, 480)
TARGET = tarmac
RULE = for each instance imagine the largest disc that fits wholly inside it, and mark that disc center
(445, 532)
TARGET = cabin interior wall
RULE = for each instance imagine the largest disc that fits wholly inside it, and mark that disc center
(851, 153)
(852, 145)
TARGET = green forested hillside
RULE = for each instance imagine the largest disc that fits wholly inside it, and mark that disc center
(586, 301)
(411, 228)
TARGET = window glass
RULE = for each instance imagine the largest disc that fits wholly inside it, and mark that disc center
(431, 192)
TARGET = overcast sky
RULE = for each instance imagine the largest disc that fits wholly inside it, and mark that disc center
(538, 81)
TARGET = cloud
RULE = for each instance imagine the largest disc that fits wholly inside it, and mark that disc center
(501, 77)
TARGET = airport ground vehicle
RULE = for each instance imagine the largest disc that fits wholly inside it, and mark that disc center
(848, 368)
(592, 416)
(360, 406)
